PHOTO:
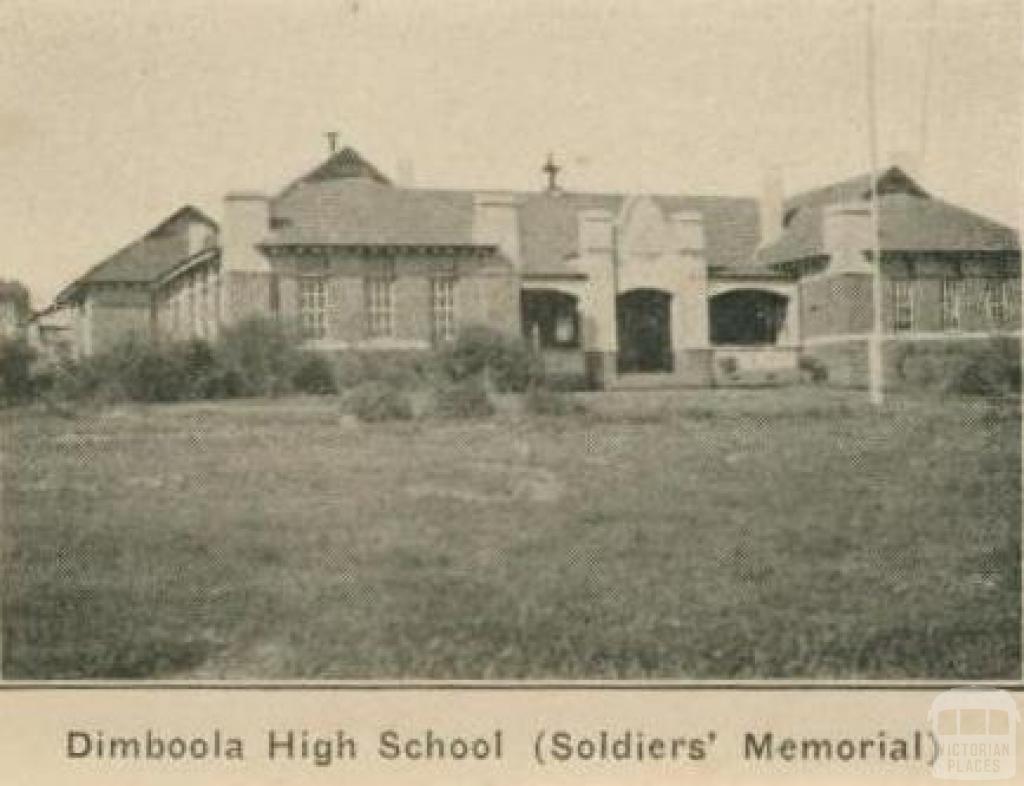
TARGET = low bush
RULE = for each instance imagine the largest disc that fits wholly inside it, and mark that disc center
(315, 374)
(542, 400)
(17, 381)
(813, 370)
(375, 402)
(985, 368)
(253, 358)
(466, 398)
(405, 370)
(565, 381)
(507, 363)
(258, 357)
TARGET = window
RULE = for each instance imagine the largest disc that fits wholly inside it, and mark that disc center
(313, 307)
(174, 299)
(442, 300)
(902, 305)
(203, 305)
(377, 301)
(997, 301)
(190, 307)
(952, 297)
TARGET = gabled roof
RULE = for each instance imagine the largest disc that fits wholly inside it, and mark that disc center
(146, 259)
(910, 219)
(346, 164)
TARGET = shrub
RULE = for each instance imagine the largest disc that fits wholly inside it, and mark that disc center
(983, 368)
(812, 369)
(506, 362)
(315, 374)
(405, 370)
(375, 402)
(149, 374)
(257, 357)
(131, 370)
(16, 379)
(991, 371)
(542, 400)
(565, 381)
(466, 398)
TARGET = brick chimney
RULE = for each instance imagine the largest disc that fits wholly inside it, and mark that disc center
(496, 222)
(246, 223)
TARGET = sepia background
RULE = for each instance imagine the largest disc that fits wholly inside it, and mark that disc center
(115, 113)
(275, 539)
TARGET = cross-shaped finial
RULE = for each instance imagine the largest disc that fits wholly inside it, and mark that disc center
(332, 142)
(551, 169)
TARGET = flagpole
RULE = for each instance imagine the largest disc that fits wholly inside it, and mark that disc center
(875, 368)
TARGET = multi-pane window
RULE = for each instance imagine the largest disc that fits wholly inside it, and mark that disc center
(902, 305)
(952, 298)
(997, 301)
(313, 307)
(442, 301)
(377, 290)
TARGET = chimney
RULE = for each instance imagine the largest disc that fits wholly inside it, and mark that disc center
(846, 233)
(772, 196)
(246, 223)
(332, 142)
(496, 222)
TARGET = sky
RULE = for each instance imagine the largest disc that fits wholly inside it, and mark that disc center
(114, 113)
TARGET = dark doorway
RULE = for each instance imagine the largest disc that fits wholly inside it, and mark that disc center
(644, 324)
(747, 317)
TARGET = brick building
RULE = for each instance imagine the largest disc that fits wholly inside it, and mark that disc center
(626, 289)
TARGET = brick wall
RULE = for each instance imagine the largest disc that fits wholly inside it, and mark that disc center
(490, 298)
(842, 305)
(484, 294)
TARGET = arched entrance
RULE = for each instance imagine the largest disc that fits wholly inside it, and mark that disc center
(643, 318)
(747, 317)
(550, 319)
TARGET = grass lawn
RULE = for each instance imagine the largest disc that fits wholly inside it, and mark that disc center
(689, 534)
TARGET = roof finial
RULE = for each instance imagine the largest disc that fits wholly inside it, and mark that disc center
(332, 142)
(551, 169)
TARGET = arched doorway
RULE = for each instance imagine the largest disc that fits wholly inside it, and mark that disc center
(643, 318)
(747, 317)
(550, 319)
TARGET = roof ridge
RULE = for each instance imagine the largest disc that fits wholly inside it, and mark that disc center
(151, 234)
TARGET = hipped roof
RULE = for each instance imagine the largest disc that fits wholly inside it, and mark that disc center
(354, 207)
(910, 220)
